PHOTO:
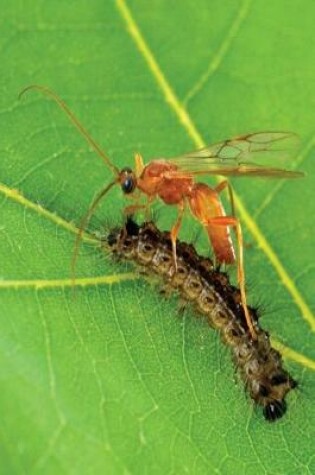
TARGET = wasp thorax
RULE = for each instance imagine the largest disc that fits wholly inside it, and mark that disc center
(127, 180)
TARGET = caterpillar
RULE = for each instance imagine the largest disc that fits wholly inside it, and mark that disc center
(209, 290)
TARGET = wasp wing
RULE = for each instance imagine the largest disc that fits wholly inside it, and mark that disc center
(247, 155)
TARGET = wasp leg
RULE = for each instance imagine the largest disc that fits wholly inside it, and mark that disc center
(234, 223)
(174, 232)
(148, 208)
(130, 210)
(226, 184)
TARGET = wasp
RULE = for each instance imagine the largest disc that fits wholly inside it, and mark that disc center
(173, 180)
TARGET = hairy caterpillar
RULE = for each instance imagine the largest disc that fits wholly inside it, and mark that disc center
(209, 290)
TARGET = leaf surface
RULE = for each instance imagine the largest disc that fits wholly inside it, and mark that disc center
(110, 379)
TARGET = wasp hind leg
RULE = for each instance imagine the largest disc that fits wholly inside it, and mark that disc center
(234, 223)
(174, 232)
(221, 187)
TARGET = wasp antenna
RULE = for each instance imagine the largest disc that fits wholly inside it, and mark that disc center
(48, 92)
(86, 218)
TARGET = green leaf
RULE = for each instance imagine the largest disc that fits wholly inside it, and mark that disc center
(109, 379)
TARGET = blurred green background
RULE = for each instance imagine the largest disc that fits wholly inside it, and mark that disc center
(111, 379)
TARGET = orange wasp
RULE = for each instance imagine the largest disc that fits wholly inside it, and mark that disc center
(173, 181)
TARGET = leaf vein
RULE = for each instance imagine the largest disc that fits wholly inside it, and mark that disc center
(18, 197)
(221, 53)
(187, 372)
(41, 284)
(51, 443)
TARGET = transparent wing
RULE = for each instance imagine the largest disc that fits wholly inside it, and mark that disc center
(251, 155)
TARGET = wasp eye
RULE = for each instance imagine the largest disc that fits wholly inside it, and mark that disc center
(128, 181)
(128, 185)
